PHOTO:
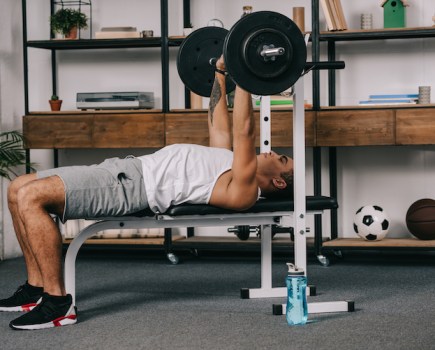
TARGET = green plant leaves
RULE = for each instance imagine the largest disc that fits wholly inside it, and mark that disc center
(12, 153)
(63, 20)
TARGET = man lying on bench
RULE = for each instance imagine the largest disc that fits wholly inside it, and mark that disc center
(173, 175)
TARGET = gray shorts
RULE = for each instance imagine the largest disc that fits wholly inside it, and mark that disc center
(112, 188)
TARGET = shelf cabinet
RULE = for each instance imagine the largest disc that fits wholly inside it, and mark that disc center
(132, 129)
(376, 126)
(352, 126)
(412, 129)
(94, 130)
(340, 127)
(355, 128)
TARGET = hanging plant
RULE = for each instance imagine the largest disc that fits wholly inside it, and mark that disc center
(12, 153)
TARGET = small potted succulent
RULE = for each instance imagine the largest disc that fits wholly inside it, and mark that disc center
(55, 103)
(67, 21)
(12, 153)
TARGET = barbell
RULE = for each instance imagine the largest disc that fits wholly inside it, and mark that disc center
(264, 52)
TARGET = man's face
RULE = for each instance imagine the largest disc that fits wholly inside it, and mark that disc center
(273, 164)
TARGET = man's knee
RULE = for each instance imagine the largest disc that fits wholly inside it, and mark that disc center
(15, 185)
(47, 193)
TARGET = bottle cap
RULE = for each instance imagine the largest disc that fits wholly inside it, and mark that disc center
(247, 8)
(294, 270)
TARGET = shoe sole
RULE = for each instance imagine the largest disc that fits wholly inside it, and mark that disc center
(68, 319)
(20, 308)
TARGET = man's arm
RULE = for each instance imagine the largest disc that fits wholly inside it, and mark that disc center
(240, 190)
(218, 118)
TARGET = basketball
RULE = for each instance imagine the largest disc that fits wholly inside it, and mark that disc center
(420, 219)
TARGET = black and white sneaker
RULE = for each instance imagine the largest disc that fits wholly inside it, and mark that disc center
(24, 299)
(52, 311)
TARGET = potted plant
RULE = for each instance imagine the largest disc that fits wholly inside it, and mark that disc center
(66, 21)
(12, 153)
(55, 103)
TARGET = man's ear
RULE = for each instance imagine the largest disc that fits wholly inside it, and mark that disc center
(279, 183)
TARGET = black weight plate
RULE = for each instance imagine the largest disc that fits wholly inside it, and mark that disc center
(270, 67)
(243, 232)
(193, 60)
(248, 68)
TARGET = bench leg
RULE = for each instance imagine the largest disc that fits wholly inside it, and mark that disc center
(266, 290)
(71, 254)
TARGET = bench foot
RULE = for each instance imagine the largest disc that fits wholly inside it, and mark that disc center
(320, 307)
(255, 293)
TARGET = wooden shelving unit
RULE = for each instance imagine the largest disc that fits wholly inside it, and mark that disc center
(325, 126)
(393, 125)
(385, 244)
(379, 34)
(154, 241)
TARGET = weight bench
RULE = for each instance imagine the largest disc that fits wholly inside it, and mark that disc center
(264, 213)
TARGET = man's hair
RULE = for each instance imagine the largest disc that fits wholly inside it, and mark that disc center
(285, 193)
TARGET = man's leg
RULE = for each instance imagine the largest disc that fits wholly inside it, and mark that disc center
(28, 294)
(39, 234)
(34, 277)
(35, 201)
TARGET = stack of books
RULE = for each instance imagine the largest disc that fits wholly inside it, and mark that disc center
(390, 99)
(282, 102)
(117, 33)
(334, 14)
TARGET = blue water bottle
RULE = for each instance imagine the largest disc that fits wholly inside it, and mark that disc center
(296, 282)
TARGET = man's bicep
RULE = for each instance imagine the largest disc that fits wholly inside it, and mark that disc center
(244, 182)
(236, 196)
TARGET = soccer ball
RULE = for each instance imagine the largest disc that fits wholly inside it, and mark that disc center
(371, 223)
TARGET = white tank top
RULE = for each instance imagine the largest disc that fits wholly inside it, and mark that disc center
(183, 173)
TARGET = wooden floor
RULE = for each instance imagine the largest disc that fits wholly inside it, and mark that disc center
(127, 241)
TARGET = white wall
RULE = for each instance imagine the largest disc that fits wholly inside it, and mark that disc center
(11, 101)
(389, 176)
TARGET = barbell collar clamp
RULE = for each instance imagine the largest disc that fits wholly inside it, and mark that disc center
(271, 51)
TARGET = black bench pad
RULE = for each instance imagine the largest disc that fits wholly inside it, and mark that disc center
(262, 206)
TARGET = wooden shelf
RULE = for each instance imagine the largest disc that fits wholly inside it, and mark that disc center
(91, 111)
(127, 241)
(140, 129)
(81, 44)
(361, 107)
(379, 34)
(386, 243)
(280, 243)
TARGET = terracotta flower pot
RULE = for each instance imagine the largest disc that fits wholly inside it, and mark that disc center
(55, 104)
(72, 34)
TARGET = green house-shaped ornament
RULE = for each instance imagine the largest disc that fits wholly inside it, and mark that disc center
(394, 13)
